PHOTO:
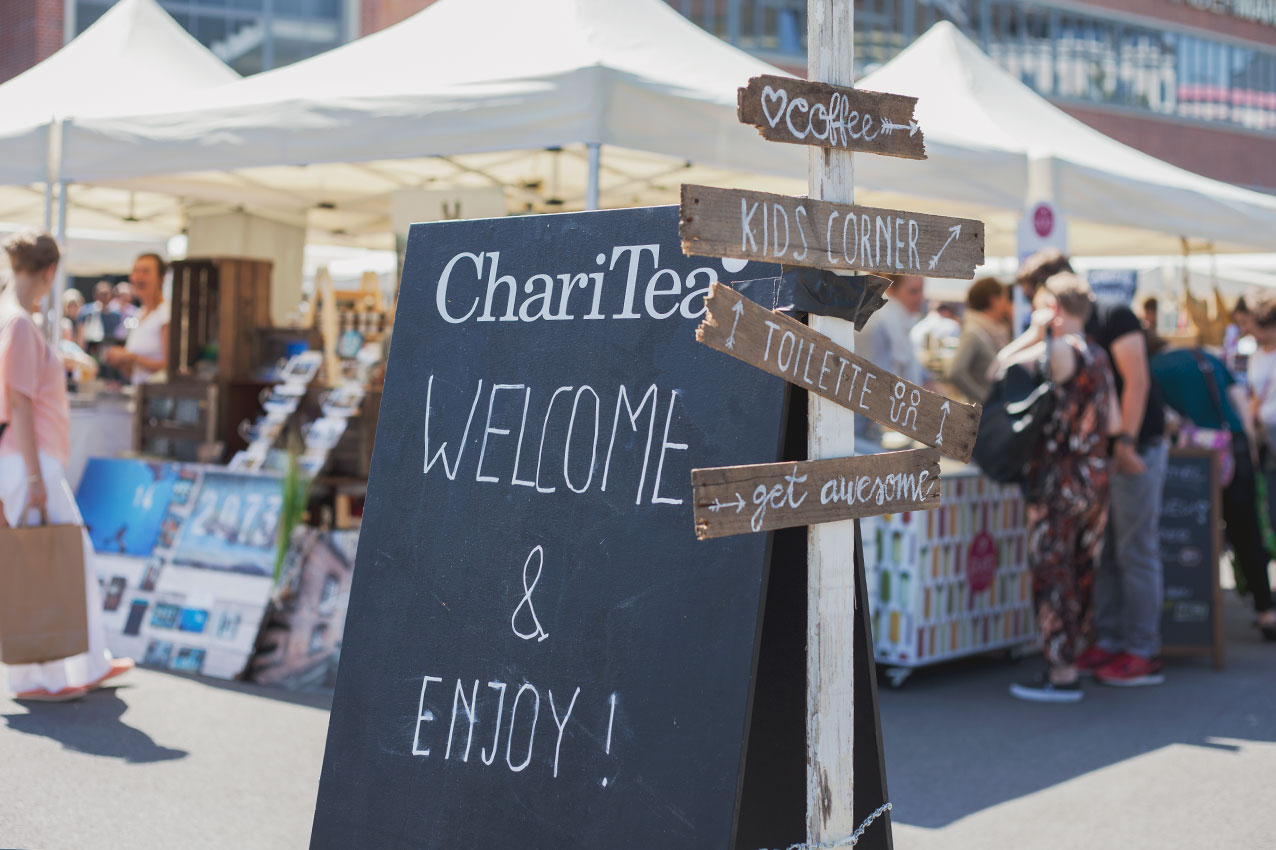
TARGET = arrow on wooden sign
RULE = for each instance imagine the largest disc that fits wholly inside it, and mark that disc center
(804, 232)
(801, 112)
(783, 346)
(762, 497)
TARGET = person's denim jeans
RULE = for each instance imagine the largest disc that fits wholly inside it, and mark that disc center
(1128, 583)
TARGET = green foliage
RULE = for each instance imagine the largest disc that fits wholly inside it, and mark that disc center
(296, 496)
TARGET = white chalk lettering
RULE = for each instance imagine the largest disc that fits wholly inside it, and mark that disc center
(656, 498)
(623, 398)
(496, 735)
(561, 724)
(448, 469)
(531, 735)
(422, 716)
(491, 402)
(469, 706)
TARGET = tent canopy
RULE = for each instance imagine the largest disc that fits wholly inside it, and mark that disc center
(627, 73)
(135, 57)
(442, 100)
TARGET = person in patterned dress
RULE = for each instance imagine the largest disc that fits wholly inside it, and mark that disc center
(1066, 487)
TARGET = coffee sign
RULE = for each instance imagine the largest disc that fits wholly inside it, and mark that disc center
(808, 113)
(805, 232)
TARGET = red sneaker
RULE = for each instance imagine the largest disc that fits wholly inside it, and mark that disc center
(1094, 658)
(1130, 671)
(41, 695)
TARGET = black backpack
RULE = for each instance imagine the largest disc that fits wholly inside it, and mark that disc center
(1012, 428)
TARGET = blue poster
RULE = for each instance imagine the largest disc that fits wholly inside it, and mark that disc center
(233, 524)
(123, 502)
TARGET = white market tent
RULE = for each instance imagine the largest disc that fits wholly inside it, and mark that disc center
(1117, 200)
(444, 100)
(449, 98)
(135, 57)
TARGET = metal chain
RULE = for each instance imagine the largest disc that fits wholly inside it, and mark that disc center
(845, 842)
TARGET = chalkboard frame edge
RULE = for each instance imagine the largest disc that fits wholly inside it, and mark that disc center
(789, 397)
(1215, 649)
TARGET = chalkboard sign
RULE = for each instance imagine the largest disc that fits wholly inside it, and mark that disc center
(1191, 621)
(538, 652)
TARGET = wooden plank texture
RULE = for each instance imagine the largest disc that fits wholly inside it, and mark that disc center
(806, 232)
(830, 583)
(783, 346)
(766, 496)
(801, 112)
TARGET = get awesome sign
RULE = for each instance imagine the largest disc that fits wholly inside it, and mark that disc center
(528, 567)
(805, 232)
(766, 496)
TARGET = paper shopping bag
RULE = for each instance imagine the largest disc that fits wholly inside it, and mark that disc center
(43, 615)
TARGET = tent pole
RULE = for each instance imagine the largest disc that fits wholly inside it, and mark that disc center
(591, 191)
(54, 323)
(48, 177)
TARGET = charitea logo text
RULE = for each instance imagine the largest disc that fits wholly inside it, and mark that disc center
(627, 284)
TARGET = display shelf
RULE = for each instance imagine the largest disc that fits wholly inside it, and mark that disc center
(953, 581)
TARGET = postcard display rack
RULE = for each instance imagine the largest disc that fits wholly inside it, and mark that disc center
(953, 581)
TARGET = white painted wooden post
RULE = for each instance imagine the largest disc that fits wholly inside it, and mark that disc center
(830, 547)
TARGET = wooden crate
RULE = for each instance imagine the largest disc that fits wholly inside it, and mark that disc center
(221, 302)
(178, 420)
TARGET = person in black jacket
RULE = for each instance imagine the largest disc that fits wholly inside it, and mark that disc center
(1128, 582)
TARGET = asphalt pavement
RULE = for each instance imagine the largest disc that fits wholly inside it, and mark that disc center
(167, 761)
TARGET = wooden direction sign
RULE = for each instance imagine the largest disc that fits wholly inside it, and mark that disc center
(804, 232)
(766, 496)
(808, 113)
(788, 349)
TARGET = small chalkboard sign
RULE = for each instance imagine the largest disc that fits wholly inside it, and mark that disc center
(538, 651)
(1191, 616)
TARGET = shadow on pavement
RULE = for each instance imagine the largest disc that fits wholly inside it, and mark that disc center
(956, 743)
(93, 726)
(321, 699)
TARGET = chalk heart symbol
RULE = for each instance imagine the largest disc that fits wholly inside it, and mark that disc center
(769, 96)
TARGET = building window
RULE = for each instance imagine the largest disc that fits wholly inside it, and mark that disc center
(248, 35)
(328, 596)
(319, 638)
(1060, 52)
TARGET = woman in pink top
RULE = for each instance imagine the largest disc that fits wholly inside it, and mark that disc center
(34, 448)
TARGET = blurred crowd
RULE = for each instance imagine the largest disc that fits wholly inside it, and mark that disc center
(1116, 397)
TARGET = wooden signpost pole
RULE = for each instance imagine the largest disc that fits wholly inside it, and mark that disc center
(830, 720)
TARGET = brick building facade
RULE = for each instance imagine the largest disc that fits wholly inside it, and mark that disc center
(30, 31)
(1237, 155)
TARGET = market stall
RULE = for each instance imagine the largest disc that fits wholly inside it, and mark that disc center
(253, 435)
(953, 581)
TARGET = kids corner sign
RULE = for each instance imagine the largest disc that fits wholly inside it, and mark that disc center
(1042, 226)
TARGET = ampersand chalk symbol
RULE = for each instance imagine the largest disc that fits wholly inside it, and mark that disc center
(539, 633)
